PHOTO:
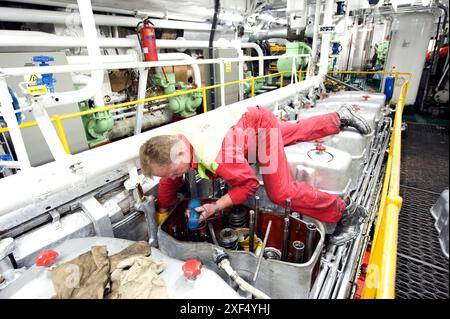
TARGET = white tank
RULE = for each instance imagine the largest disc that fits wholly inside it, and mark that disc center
(410, 37)
(358, 96)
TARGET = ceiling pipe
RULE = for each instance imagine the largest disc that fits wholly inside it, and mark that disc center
(67, 18)
(20, 39)
(326, 38)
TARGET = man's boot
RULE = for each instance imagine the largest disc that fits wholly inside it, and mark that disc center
(349, 226)
(349, 117)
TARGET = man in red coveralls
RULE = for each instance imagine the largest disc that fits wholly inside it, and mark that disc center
(225, 148)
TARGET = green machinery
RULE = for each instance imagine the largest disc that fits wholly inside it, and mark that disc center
(285, 64)
(183, 105)
(382, 49)
(248, 84)
(96, 125)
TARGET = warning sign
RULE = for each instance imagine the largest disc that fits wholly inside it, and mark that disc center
(32, 87)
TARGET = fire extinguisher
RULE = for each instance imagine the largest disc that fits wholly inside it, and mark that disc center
(147, 40)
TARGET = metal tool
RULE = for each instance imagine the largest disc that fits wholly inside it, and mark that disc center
(261, 254)
(251, 232)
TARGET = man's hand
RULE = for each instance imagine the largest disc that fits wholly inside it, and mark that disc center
(206, 210)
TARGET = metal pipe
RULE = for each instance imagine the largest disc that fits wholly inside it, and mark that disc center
(311, 231)
(325, 266)
(251, 232)
(298, 248)
(256, 212)
(73, 18)
(333, 272)
(94, 86)
(312, 63)
(326, 38)
(261, 254)
(285, 250)
(343, 83)
(130, 65)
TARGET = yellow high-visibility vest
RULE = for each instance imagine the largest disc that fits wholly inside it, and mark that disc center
(206, 136)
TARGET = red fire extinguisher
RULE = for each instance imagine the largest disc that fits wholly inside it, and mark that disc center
(148, 40)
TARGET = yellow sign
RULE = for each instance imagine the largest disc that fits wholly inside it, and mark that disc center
(228, 67)
(38, 90)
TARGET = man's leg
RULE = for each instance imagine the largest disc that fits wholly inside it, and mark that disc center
(279, 183)
(310, 129)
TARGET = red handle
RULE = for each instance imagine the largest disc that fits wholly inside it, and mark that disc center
(192, 268)
(46, 258)
(365, 97)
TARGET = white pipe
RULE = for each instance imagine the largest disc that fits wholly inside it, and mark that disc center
(25, 196)
(312, 64)
(142, 89)
(222, 83)
(117, 58)
(259, 51)
(66, 18)
(48, 131)
(226, 266)
(28, 39)
(222, 43)
(326, 38)
(93, 88)
(20, 71)
(42, 40)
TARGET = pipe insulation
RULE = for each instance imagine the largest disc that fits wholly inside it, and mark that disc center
(125, 127)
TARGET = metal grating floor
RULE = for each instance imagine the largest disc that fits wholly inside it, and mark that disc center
(422, 269)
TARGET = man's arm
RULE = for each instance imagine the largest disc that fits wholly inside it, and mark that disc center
(244, 184)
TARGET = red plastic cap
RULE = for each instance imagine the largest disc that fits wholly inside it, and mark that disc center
(319, 140)
(320, 148)
(47, 258)
(192, 268)
(365, 97)
(356, 107)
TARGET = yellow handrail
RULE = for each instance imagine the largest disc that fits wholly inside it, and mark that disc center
(381, 271)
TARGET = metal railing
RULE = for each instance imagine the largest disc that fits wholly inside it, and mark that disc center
(57, 119)
(381, 271)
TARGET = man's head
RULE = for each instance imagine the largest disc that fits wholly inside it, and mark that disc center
(165, 156)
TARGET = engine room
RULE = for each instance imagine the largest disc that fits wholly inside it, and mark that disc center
(84, 85)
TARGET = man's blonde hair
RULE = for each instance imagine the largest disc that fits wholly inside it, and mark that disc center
(156, 150)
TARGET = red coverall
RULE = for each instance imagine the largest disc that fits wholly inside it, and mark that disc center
(279, 185)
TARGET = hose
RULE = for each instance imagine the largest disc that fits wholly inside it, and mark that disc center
(210, 46)
(223, 263)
